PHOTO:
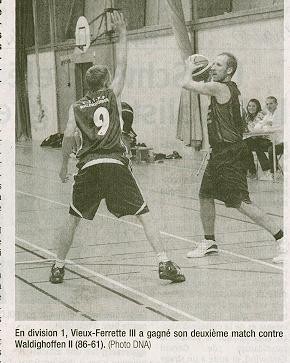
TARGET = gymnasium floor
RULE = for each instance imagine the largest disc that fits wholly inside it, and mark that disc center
(112, 273)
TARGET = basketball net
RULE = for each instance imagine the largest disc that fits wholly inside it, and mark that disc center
(103, 25)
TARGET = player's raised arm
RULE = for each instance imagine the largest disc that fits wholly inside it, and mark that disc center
(209, 88)
(67, 144)
(121, 54)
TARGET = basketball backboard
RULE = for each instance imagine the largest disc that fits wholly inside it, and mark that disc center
(82, 34)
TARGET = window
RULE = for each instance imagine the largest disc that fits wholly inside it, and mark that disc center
(42, 22)
(254, 4)
(67, 13)
(210, 8)
(140, 13)
(24, 24)
(156, 12)
(213, 7)
(134, 12)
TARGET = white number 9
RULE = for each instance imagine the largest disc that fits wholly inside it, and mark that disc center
(102, 120)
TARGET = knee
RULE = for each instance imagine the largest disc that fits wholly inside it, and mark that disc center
(73, 220)
(144, 218)
(202, 199)
(205, 202)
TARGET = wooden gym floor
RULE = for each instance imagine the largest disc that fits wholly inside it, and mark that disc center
(112, 274)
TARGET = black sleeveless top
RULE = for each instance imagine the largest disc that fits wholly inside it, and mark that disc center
(97, 117)
(224, 121)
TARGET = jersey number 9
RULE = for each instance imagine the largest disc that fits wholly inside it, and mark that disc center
(102, 120)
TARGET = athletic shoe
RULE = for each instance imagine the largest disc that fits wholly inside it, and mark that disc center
(267, 176)
(56, 275)
(205, 248)
(170, 271)
(281, 248)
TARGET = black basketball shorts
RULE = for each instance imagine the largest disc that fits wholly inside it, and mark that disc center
(225, 177)
(110, 181)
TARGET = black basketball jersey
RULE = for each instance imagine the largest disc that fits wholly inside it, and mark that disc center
(97, 117)
(224, 121)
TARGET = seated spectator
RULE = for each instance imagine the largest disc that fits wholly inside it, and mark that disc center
(252, 116)
(273, 120)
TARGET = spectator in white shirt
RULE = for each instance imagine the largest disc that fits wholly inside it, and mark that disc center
(273, 120)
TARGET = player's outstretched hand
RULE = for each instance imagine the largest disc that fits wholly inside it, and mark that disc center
(63, 174)
(119, 22)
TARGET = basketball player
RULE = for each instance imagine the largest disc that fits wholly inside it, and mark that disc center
(225, 175)
(103, 171)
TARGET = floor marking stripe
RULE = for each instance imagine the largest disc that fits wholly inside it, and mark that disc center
(34, 261)
(117, 284)
(162, 232)
(68, 306)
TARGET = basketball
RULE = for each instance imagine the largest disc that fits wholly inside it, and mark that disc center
(202, 73)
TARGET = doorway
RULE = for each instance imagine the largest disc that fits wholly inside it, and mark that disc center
(80, 72)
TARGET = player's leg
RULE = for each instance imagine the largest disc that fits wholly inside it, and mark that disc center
(207, 215)
(152, 233)
(168, 270)
(67, 236)
(263, 220)
(125, 198)
(207, 193)
(238, 197)
(86, 197)
(66, 239)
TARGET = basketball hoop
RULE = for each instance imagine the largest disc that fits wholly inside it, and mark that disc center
(82, 34)
(105, 26)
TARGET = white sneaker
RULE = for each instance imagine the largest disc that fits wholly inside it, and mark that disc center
(267, 176)
(281, 249)
(205, 248)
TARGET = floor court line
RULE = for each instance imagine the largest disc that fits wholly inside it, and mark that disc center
(162, 232)
(117, 284)
(68, 306)
(106, 263)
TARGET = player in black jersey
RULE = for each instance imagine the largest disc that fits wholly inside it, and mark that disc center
(225, 175)
(103, 171)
